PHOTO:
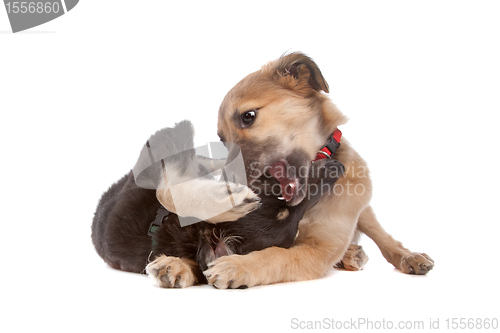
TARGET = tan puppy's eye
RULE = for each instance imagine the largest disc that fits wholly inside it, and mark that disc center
(248, 118)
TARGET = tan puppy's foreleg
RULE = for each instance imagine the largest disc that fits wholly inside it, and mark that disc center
(307, 260)
(322, 242)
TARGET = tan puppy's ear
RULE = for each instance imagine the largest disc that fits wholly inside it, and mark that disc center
(299, 72)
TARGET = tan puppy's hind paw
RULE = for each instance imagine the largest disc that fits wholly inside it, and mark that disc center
(416, 263)
(354, 259)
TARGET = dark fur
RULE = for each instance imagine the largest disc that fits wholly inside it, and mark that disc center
(125, 211)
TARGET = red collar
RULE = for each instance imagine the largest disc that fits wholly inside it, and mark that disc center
(331, 147)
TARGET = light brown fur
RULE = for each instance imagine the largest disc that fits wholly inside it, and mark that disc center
(172, 272)
(293, 113)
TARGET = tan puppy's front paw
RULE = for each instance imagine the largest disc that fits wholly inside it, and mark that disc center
(230, 272)
(172, 272)
(416, 263)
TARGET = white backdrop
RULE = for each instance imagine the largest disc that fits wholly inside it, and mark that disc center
(80, 95)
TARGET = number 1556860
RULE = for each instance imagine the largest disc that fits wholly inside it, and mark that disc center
(25, 7)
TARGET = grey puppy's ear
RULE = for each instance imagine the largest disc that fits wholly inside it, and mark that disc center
(300, 72)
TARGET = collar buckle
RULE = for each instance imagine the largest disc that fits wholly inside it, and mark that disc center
(331, 146)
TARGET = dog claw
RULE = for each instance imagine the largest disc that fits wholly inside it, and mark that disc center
(171, 272)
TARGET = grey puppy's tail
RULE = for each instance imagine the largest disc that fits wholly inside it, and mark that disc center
(169, 147)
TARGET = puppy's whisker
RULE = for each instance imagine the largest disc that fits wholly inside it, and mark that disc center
(215, 235)
(233, 239)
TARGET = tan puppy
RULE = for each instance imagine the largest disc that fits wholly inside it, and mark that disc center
(280, 118)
